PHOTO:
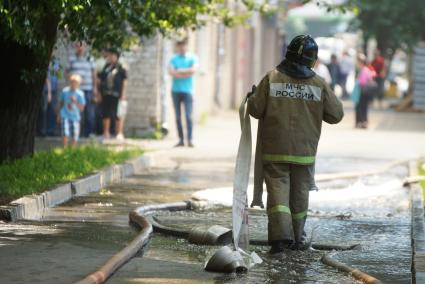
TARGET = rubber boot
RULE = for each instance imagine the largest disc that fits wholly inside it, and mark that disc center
(301, 242)
(280, 246)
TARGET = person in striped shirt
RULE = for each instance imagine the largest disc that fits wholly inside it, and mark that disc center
(81, 63)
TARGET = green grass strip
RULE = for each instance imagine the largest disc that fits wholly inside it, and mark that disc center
(48, 168)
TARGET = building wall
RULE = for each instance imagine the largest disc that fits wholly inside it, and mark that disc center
(144, 70)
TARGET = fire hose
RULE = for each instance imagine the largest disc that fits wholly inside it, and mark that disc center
(142, 217)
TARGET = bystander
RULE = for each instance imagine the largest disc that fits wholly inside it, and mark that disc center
(82, 64)
(72, 102)
(182, 67)
(113, 89)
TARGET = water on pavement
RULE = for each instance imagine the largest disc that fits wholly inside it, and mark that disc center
(75, 238)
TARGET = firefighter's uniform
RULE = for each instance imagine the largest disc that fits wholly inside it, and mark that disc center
(291, 110)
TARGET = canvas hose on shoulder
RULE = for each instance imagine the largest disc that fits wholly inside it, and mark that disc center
(257, 199)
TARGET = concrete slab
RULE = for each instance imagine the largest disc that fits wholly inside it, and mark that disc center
(91, 183)
(127, 169)
(57, 195)
(106, 176)
(117, 173)
(29, 207)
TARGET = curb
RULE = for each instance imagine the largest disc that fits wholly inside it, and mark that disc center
(31, 207)
(417, 229)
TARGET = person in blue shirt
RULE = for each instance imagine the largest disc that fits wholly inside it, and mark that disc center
(72, 102)
(182, 68)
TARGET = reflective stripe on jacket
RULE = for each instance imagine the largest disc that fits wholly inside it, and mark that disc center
(292, 110)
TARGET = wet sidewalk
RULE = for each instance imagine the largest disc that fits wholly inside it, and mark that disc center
(76, 237)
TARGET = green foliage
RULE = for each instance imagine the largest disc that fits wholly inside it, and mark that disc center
(393, 23)
(116, 23)
(48, 168)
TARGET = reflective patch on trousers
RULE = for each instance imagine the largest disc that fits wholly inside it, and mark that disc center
(299, 216)
(279, 209)
(302, 160)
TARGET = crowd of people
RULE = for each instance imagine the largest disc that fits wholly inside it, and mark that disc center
(94, 102)
(336, 72)
(369, 83)
(102, 100)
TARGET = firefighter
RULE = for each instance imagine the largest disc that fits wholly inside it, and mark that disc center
(291, 102)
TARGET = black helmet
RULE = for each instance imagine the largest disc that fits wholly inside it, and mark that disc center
(303, 50)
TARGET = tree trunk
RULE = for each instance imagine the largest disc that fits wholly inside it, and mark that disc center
(23, 77)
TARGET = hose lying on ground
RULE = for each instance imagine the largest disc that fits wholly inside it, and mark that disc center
(313, 245)
(148, 224)
(160, 228)
(326, 259)
(136, 217)
(357, 274)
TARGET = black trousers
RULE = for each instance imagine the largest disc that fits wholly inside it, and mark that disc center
(362, 109)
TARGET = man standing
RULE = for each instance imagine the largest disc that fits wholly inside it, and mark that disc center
(83, 65)
(378, 65)
(291, 101)
(113, 87)
(182, 67)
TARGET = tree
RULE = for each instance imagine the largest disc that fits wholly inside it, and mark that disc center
(394, 24)
(29, 30)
